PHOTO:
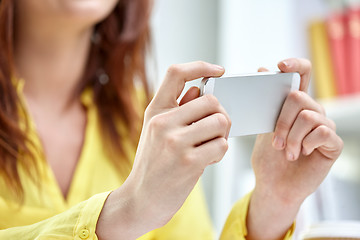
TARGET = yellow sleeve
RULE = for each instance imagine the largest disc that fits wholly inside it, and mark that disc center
(235, 225)
(79, 223)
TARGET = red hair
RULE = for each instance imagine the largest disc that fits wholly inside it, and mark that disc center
(119, 47)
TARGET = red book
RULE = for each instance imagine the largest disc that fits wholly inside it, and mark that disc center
(353, 43)
(335, 25)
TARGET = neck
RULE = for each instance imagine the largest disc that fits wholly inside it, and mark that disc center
(51, 60)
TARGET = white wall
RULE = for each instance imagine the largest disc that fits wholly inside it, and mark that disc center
(254, 33)
(184, 31)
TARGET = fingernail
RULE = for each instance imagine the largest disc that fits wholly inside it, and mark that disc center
(290, 156)
(278, 142)
(286, 64)
(221, 68)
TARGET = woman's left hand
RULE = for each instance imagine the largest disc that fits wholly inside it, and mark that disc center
(290, 163)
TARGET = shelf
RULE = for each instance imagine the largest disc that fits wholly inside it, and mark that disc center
(333, 230)
(345, 112)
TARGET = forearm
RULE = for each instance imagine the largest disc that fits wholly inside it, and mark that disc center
(108, 224)
(269, 216)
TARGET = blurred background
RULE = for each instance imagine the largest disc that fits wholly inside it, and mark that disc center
(242, 36)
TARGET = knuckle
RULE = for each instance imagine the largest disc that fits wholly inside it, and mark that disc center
(172, 141)
(201, 63)
(325, 132)
(224, 146)
(221, 120)
(307, 116)
(229, 121)
(211, 101)
(188, 159)
(157, 122)
(174, 70)
(296, 96)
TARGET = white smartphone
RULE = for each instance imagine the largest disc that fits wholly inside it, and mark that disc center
(253, 101)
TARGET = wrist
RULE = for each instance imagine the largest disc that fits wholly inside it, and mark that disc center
(270, 214)
(120, 217)
(278, 196)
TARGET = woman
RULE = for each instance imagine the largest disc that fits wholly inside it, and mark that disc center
(70, 114)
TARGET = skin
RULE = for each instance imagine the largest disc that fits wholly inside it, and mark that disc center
(51, 56)
(193, 133)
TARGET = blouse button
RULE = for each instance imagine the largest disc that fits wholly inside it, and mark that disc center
(84, 234)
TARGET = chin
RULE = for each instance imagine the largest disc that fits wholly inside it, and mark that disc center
(82, 12)
(92, 11)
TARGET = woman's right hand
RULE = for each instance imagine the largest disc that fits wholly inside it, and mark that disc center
(177, 142)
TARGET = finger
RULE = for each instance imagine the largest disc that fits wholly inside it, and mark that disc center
(212, 151)
(325, 140)
(302, 66)
(191, 94)
(305, 122)
(213, 126)
(200, 108)
(262, 69)
(295, 102)
(176, 77)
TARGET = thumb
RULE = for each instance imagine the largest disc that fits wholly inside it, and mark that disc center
(176, 77)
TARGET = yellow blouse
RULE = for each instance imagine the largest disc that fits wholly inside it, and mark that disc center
(45, 213)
